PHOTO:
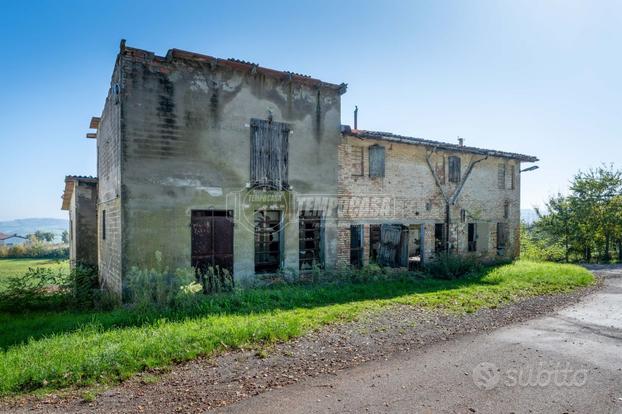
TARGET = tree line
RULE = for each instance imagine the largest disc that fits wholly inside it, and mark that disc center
(584, 225)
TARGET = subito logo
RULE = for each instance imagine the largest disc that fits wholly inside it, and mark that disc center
(486, 376)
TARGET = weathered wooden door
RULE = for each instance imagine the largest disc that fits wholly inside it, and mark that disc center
(393, 251)
(212, 239)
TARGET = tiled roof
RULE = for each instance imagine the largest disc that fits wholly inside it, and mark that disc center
(70, 182)
(388, 136)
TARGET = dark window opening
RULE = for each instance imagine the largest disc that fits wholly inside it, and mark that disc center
(357, 161)
(502, 238)
(454, 169)
(267, 241)
(439, 237)
(501, 177)
(356, 246)
(472, 237)
(269, 158)
(393, 250)
(374, 242)
(506, 209)
(512, 177)
(103, 224)
(376, 161)
(463, 215)
(311, 234)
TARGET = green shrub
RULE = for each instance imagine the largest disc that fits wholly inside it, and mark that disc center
(35, 250)
(215, 280)
(84, 285)
(158, 287)
(37, 288)
(452, 266)
(45, 289)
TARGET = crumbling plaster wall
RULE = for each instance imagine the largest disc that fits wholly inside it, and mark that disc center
(415, 197)
(186, 146)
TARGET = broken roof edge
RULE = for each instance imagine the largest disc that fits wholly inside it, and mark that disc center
(388, 136)
(70, 182)
(235, 64)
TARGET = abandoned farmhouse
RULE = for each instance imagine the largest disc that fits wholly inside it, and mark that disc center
(221, 162)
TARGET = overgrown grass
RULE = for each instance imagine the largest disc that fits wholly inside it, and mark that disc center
(14, 267)
(80, 349)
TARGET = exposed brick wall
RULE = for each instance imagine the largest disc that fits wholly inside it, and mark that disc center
(408, 194)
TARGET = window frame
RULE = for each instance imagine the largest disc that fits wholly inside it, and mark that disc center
(262, 155)
(262, 267)
(376, 166)
(454, 169)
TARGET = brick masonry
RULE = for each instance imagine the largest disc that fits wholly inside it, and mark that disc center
(408, 194)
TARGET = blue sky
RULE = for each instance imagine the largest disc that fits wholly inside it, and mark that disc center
(536, 77)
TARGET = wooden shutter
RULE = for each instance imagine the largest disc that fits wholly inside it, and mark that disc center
(501, 177)
(376, 161)
(454, 169)
(269, 154)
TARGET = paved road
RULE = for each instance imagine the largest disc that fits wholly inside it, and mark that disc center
(570, 361)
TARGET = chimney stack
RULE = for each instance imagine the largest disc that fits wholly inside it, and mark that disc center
(356, 116)
(461, 141)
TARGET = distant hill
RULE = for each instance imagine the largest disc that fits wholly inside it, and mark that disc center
(528, 215)
(22, 227)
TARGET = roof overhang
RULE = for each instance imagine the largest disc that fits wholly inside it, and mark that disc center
(70, 184)
(387, 136)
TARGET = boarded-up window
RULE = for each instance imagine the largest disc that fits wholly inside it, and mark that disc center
(501, 177)
(454, 169)
(357, 161)
(267, 241)
(472, 237)
(356, 246)
(310, 234)
(269, 146)
(439, 237)
(512, 177)
(376, 161)
(502, 238)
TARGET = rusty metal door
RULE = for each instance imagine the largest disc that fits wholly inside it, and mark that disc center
(212, 239)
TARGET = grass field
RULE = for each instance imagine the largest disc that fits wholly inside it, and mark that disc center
(13, 267)
(48, 351)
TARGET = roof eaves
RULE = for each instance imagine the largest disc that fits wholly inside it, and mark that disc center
(235, 64)
(387, 136)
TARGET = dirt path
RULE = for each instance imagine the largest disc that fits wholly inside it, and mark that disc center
(262, 378)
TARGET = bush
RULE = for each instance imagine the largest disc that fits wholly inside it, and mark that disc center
(35, 250)
(46, 289)
(540, 250)
(215, 280)
(451, 266)
(38, 288)
(159, 287)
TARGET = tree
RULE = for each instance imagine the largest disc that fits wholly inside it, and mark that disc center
(65, 236)
(588, 220)
(42, 236)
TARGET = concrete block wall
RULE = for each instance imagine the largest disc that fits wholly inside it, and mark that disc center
(109, 153)
(185, 145)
